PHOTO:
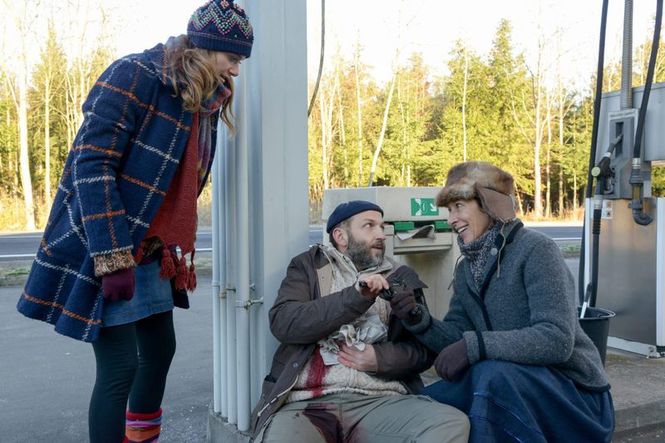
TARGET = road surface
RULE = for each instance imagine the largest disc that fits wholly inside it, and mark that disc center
(24, 245)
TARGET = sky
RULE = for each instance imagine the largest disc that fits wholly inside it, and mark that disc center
(432, 26)
(382, 27)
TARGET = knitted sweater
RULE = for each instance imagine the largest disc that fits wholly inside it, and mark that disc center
(525, 311)
(318, 379)
(124, 157)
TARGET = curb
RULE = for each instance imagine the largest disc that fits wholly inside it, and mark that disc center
(637, 418)
(219, 430)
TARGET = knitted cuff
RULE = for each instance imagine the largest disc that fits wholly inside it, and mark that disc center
(475, 346)
(115, 261)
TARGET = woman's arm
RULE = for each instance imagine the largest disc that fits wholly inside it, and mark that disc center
(437, 334)
(550, 336)
(112, 116)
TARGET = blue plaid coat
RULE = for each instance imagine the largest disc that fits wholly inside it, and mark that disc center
(124, 157)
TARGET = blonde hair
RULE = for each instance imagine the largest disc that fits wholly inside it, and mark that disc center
(194, 78)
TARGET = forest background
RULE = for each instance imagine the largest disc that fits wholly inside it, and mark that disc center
(404, 126)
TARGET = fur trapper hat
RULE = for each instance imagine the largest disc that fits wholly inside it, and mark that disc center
(493, 187)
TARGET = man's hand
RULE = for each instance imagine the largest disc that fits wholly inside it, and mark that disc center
(364, 360)
(370, 286)
(404, 303)
(119, 285)
(452, 362)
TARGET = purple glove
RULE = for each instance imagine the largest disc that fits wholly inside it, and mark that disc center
(119, 285)
(452, 361)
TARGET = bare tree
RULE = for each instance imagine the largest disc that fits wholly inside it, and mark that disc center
(359, 115)
(326, 101)
(384, 125)
(386, 111)
(537, 79)
(49, 82)
(19, 13)
(464, 94)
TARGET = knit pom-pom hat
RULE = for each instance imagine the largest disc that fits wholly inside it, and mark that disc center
(221, 25)
(492, 186)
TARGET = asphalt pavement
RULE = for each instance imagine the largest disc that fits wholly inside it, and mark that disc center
(46, 378)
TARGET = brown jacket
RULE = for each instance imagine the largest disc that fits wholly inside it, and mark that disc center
(298, 324)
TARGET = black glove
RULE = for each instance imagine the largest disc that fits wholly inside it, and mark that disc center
(452, 362)
(404, 305)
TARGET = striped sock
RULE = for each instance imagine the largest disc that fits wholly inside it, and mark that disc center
(143, 428)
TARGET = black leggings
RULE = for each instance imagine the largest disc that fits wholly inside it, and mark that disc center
(132, 362)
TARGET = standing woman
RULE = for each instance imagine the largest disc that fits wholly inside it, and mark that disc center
(112, 261)
(512, 354)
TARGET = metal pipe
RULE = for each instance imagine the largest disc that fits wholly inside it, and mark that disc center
(627, 57)
(230, 281)
(243, 283)
(216, 331)
(636, 179)
(221, 247)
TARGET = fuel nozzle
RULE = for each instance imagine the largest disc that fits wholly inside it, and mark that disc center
(604, 169)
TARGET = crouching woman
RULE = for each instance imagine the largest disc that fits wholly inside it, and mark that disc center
(511, 351)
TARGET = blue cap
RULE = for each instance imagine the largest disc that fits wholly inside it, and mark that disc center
(347, 210)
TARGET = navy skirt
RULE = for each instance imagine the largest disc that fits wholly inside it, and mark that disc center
(509, 402)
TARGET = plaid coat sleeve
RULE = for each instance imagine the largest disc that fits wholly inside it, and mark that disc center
(113, 116)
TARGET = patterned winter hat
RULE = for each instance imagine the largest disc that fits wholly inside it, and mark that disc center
(492, 186)
(221, 25)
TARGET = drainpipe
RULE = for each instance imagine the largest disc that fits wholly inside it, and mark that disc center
(229, 282)
(216, 304)
(243, 285)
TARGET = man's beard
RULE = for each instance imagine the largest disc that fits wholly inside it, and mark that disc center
(360, 253)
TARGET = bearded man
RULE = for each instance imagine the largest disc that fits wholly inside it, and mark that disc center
(346, 368)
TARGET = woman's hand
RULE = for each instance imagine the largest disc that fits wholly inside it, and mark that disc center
(119, 285)
(452, 362)
(404, 304)
(364, 360)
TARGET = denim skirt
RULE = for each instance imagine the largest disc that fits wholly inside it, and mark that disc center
(151, 296)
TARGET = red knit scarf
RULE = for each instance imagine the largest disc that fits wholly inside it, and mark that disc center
(176, 221)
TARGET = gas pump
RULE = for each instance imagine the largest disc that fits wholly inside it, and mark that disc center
(624, 263)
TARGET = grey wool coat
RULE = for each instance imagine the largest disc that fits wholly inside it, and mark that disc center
(525, 311)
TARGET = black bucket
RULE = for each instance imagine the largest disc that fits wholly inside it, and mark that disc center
(596, 324)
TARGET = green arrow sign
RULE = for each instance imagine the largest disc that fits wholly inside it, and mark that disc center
(423, 207)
